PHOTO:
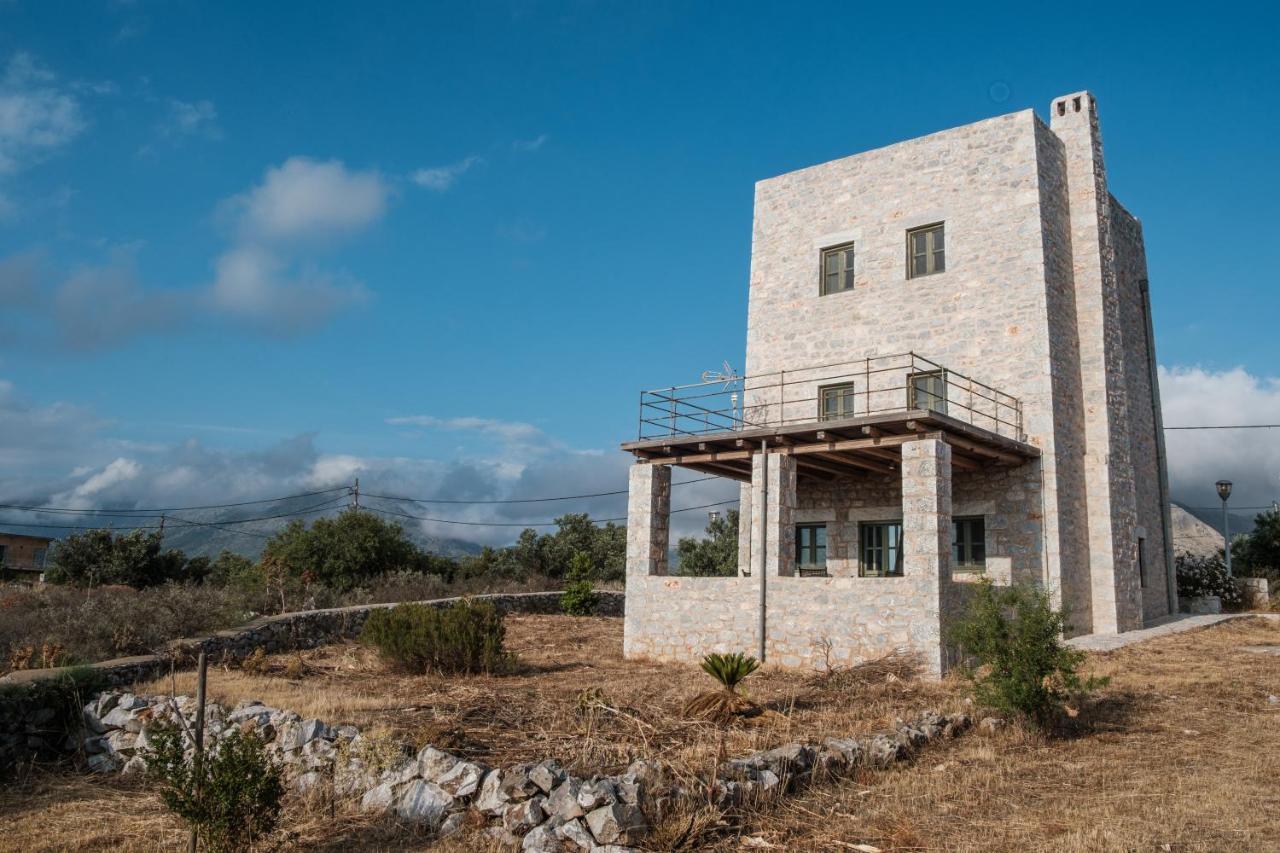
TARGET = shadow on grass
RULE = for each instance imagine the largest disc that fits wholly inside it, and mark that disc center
(1110, 712)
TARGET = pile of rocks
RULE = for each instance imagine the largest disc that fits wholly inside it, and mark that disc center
(540, 807)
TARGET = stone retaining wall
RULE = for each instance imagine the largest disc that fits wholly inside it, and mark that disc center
(299, 630)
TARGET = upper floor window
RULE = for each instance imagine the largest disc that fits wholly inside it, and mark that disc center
(37, 557)
(837, 269)
(928, 390)
(926, 251)
(835, 401)
(811, 549)
(969, 544)
(881, 549)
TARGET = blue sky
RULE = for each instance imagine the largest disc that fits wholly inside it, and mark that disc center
(247, 247)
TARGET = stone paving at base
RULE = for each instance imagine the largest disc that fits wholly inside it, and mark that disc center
(1162, 628)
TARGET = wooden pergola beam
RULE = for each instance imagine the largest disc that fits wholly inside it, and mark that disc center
(850, 459)
(982, 450)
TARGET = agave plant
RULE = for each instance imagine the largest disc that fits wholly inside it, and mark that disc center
(722, 705)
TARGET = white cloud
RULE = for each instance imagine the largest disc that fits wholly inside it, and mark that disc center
(191, 118)
(441, 178)
(117, 472)
(36, 115)
(508, 430)
(530, 144)
(1192, 396)
(99, 306)
(305, 199)
(257, 284)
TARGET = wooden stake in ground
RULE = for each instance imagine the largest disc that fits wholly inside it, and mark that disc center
(202, 673)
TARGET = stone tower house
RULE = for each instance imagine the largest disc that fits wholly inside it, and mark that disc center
(950, 374)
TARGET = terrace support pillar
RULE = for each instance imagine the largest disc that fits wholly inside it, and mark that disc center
(773, 539)
(648, 519)
(926, 545)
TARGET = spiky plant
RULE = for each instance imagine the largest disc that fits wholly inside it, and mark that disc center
(722, 705)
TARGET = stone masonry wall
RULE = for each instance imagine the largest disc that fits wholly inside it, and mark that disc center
(1144, 428)
(301, 630)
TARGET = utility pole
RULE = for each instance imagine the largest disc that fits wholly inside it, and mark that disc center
(355, 495)
(162, 526)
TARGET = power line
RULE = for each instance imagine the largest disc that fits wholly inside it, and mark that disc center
(152, 512)
(521, 500)
(320, 507)
(1229, 426)
(529, 523)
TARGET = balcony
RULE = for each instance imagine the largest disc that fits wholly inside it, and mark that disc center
(849, 415)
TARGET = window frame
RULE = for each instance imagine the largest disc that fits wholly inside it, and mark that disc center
(958, 562)
(846, 268)
(931, 265)
(851, 387)
(1142, 562)
(815, 569)
(912, 391)
(897, 570)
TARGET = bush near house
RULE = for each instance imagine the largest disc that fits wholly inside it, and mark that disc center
(1200, 576)
(579, 597)
(1257, 554)
(231, 798)
(137, 559)
(1014, 634)
(465, 637)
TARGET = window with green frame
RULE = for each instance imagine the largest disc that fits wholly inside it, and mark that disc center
(926, 251)
(836, 401)
(969, 544)
(837, 269)
(928, 390)
(881, 549)
(811, 549)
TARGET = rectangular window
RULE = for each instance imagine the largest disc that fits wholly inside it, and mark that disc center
(837, 269)
(926, 251)
(811, 550)
(881, 549)
(969, 544)
(1142, 562)
(835, 401)
(928, 390)
(2, 547)
(37, 558)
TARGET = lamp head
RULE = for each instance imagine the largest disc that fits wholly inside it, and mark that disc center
(1224, 488)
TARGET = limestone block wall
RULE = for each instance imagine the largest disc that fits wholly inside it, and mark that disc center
(1144, 425)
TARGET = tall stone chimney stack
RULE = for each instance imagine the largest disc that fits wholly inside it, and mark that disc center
(1112, 508)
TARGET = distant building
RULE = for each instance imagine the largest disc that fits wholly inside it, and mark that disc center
(22, 553)
(950, 374)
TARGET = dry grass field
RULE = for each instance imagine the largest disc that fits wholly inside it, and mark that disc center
(1177, 753)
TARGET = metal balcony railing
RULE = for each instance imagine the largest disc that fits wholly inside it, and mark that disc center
(867, 387)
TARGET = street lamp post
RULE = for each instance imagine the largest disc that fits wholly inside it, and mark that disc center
(1224, 492)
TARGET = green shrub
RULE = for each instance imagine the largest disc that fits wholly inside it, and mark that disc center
(231, 800)
(466, 636)
(1015, 635)
(65, 695)
(1198, 576)
(579, 597)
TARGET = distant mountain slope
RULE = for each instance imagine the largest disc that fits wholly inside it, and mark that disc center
(1191, 535)
(209, 532)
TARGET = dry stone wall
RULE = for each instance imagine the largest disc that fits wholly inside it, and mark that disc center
(541, 808)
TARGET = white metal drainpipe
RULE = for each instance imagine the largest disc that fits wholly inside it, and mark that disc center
(764, 539)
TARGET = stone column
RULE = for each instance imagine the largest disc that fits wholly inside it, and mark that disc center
(744, 529)
(926, 542)
(777, 552)
(648, 519)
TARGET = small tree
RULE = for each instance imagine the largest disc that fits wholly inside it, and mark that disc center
(137, 559)
(720, 705)
(714, 556)
(1015, 636)
(579, 598)
(1257, 554)
(231, 800)
(343, 552)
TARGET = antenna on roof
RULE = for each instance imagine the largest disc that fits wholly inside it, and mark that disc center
(729, 377)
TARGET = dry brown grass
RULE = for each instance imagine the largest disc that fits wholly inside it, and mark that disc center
(1178, 750)
(1178, 753)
